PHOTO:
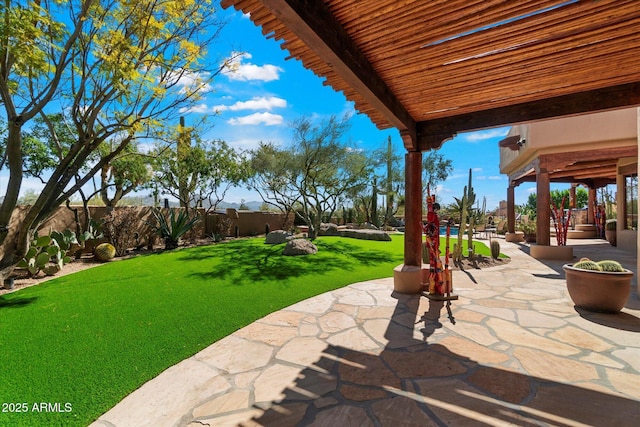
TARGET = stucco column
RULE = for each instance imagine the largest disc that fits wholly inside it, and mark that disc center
(543, 203)
(511, 209)
(413, 209)
(407, 277)
(591, 206)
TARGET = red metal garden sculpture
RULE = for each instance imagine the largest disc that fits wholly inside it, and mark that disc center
(439, 282)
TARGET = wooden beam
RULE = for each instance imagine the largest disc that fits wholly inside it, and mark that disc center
(314, 24)
(570, 158)
(607, 98)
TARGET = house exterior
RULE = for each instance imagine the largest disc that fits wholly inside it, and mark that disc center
(592, 150)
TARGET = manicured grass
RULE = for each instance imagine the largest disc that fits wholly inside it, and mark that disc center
(84, 341)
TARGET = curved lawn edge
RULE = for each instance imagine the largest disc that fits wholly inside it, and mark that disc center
(84, 341)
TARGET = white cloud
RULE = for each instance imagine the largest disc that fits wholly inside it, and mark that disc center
(496, 177)
(486, 134)
(531, 190)
(477, 169)
(236, 69)
(256, 103)
(265, 118)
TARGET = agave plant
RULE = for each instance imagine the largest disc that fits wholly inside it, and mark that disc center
(171, 229)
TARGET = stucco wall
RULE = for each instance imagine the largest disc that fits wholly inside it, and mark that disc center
(598, 130)
(250, 223)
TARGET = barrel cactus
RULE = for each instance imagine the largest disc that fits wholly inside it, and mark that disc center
(610, 265)
(105, 252)
(587, 264)
(495, 249)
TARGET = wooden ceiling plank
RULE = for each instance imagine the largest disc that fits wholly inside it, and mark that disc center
(595, 32)
(567, 158)
(597, 69)
(539, 26)
(558, 49)
(459, 18)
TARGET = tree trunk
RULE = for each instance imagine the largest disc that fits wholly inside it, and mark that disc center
(374, 203)
(14, 162)
(13, 252)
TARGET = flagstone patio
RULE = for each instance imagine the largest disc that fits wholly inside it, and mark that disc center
(512, 350)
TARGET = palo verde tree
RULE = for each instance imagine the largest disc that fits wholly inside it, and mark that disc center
(128, 171)
(196, 172)
(313, 173)
(435, 168)
(116, 68)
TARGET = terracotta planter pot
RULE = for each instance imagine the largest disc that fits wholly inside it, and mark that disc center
(601, 291)
(611, 237)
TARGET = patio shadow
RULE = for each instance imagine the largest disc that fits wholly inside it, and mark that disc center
(414, 382)
(18, 302)
(622, 321)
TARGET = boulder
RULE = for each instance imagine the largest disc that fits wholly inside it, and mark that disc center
(299, 247)
(367, 235)
(278, 236)
(328, 229)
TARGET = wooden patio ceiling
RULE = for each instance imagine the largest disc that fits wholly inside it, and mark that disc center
(435, 68)
(594, 168)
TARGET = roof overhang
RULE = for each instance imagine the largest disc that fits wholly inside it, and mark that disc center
(433, 69)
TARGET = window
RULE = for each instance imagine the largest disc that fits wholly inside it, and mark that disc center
(631, 201)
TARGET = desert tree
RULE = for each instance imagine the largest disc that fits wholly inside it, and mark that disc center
(197, 172)
(312, 174)
(115, 68)
(435, 169)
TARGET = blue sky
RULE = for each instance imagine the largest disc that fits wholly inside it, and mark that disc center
(266, 93)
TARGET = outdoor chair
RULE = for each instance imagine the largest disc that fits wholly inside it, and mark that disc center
(489, 230)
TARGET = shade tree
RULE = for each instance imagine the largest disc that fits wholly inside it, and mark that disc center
(197, 172)
(114, 68)
(312, 174)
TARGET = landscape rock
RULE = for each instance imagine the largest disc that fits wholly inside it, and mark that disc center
(328, 229)
(367, 235)
(368, 226)
(278, 236)
(299, 247)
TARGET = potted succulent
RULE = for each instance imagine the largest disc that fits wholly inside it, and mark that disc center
(529, 228)
(610, 230)
(602, 286)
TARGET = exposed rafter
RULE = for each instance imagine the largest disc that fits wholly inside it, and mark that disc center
(314, 24)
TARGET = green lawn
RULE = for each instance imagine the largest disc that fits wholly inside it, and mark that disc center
(84, 341)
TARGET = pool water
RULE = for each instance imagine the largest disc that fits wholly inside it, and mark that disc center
(443, 231)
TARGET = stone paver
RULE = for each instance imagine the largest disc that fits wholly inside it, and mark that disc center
(511, 351)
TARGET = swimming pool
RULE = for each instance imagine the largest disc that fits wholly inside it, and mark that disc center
(443, 230)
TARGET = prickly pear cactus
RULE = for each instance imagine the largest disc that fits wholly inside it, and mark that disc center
(587, 264)
(105, 252)
(495, 249)
(610, 265)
